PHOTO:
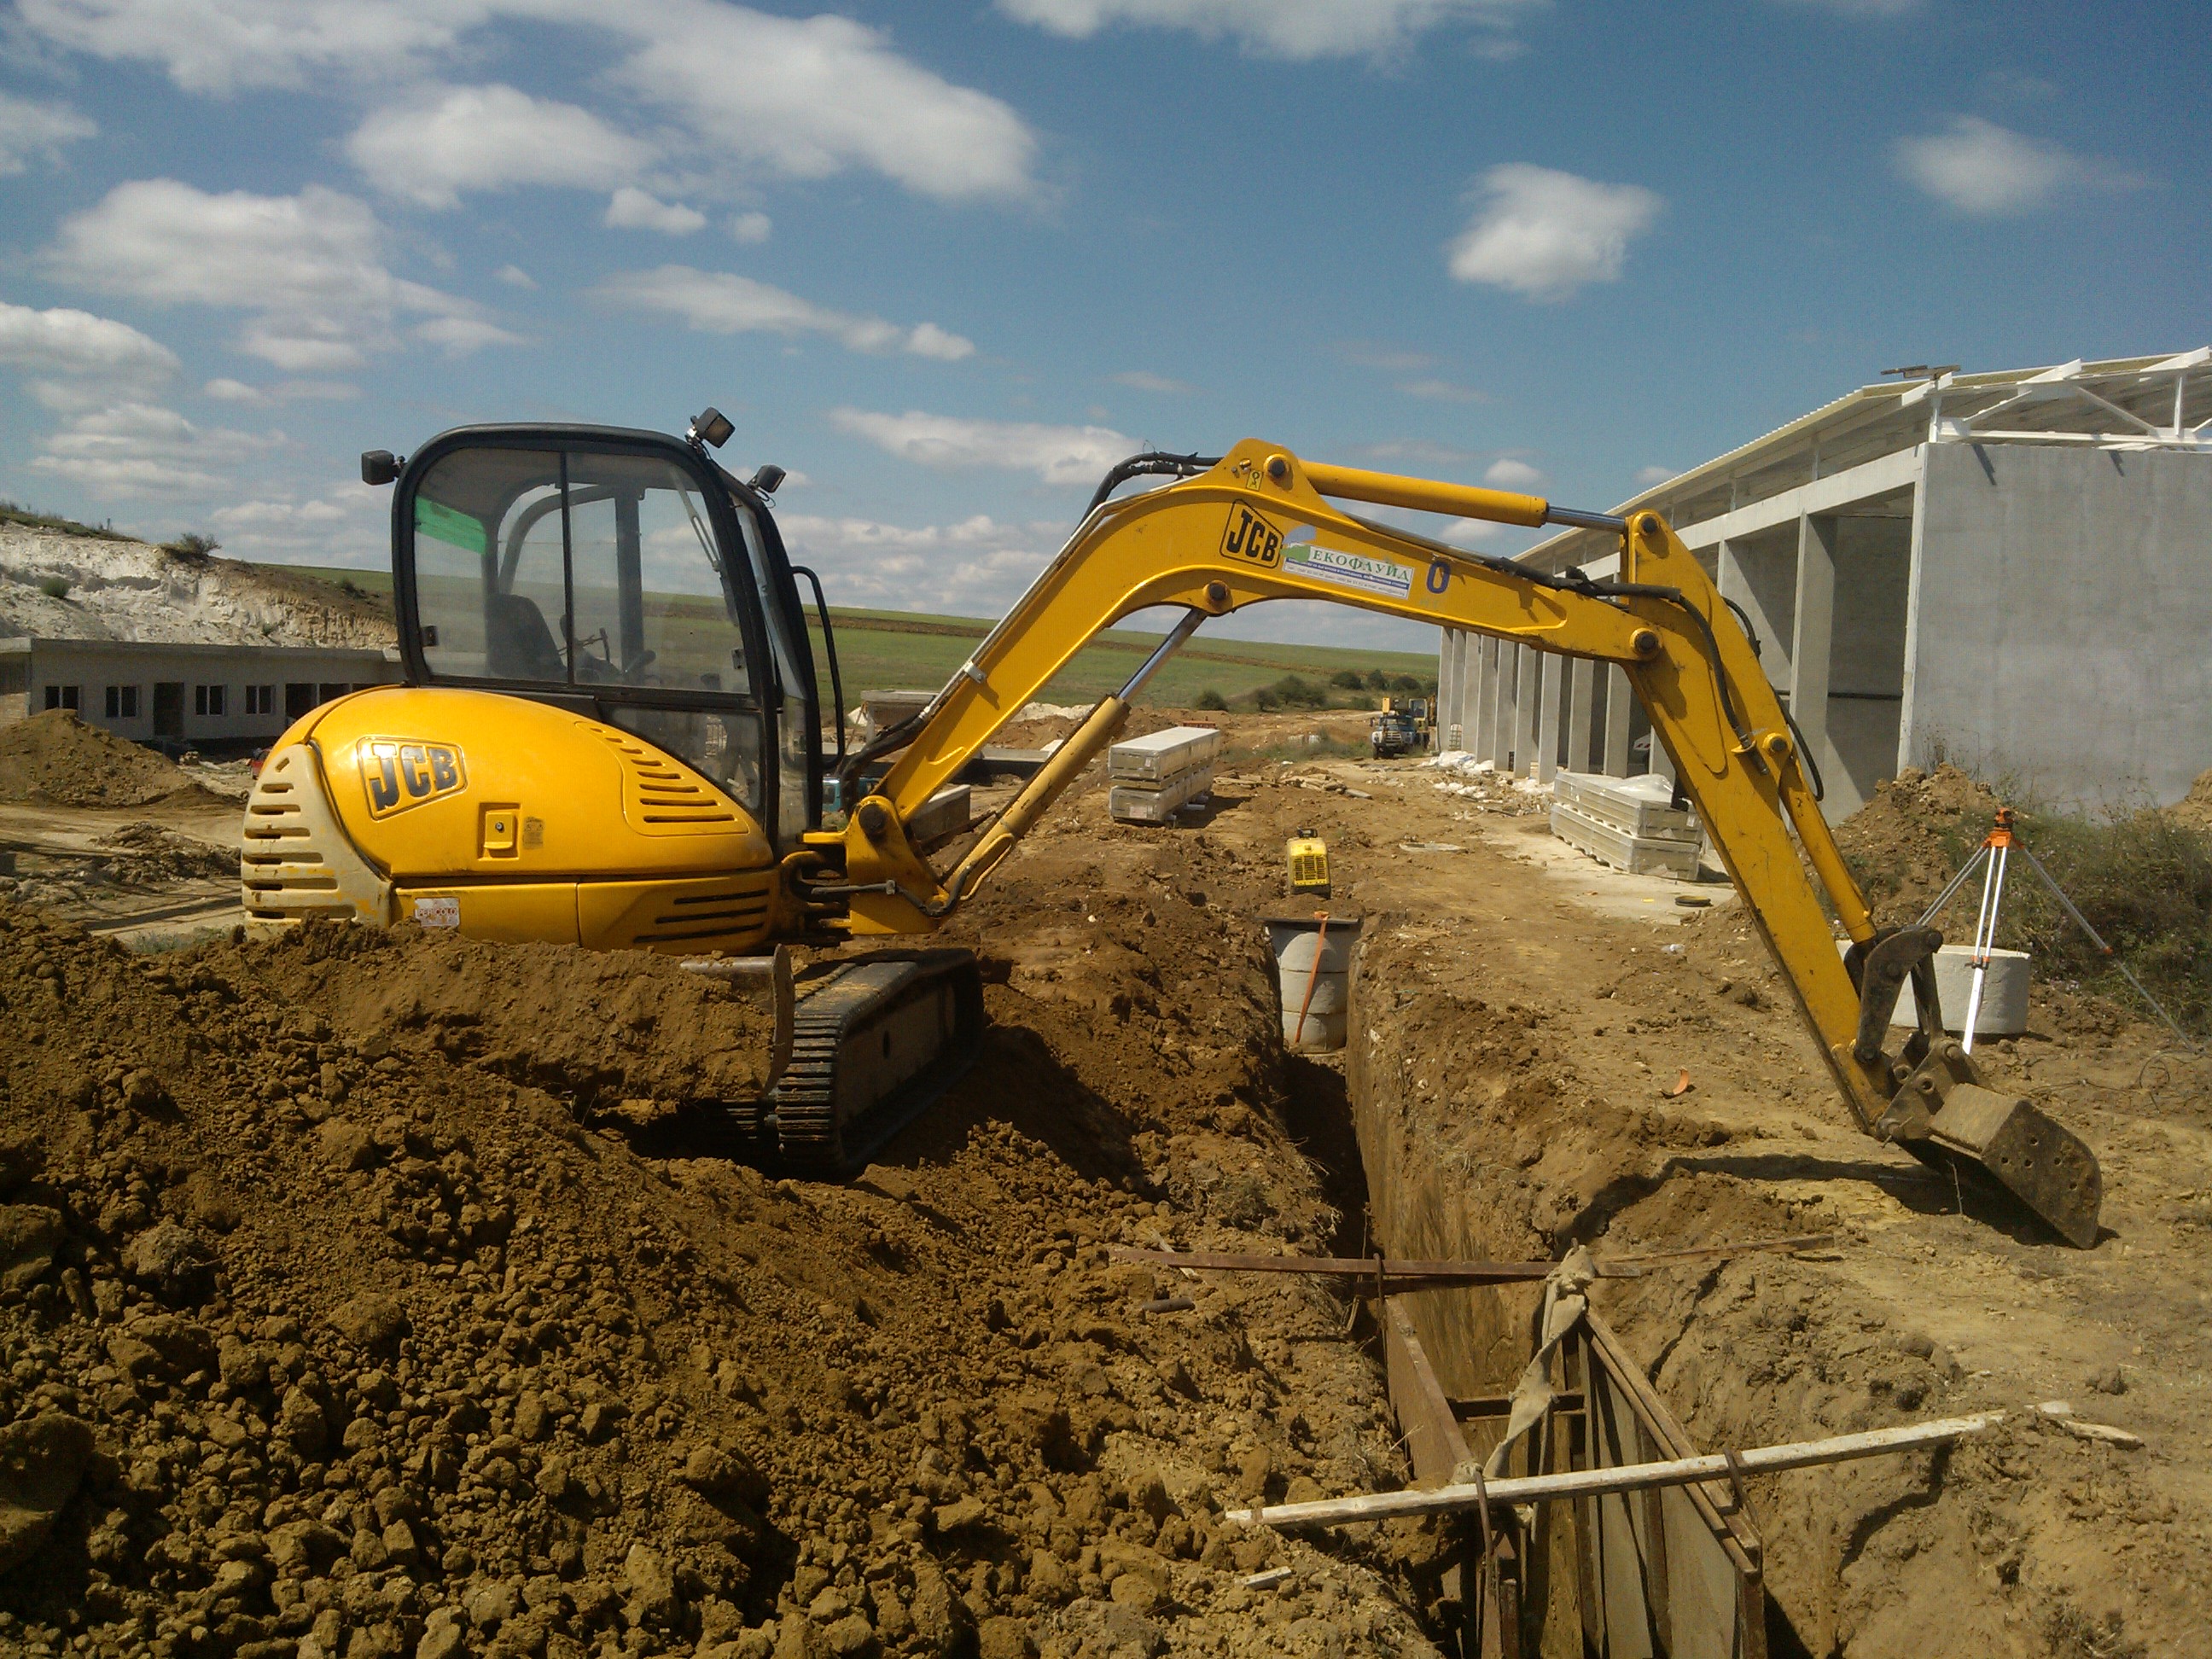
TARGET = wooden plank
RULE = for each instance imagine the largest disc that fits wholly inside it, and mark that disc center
(1714, 1503)
(1433, 1437)
(1636, 1477)
(1574, 1359)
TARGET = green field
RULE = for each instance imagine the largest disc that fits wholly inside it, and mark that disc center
(888, 650)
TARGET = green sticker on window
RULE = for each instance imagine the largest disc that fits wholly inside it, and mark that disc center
(447, 526)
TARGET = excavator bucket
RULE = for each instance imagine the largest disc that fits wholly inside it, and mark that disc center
(2009, 1139)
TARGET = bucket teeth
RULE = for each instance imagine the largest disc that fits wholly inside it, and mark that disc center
(2045, 1166)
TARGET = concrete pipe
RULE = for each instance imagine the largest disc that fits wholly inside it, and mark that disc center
(1313, 972)
(2004, 992)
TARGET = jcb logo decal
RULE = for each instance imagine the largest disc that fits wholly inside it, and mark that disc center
(1251, 536)
(401, 773)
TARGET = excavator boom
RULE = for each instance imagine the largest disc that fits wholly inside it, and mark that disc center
(1261, 524)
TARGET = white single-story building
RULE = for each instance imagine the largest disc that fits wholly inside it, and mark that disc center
(2010, 570)
(178, 695)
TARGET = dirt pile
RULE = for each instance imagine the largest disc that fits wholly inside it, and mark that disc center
(54, 758)
(2194, 810)
(330, 1329)
(1907, 842)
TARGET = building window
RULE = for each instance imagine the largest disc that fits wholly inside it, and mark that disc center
(123, 702)
(61, 696)
(260, 699)
(13, 677)
(331, 690)
(207, 699)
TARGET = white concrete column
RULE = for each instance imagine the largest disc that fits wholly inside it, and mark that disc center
(1451, 657)
(1527, 694)
(1548, 715)
(1582, 712)
(1482, 693)
(1501, 713)
(1812, 643)
(1763, 582)
(1620, 703)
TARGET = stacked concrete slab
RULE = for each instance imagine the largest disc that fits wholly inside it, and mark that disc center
(1149, 778)
(1632, 824)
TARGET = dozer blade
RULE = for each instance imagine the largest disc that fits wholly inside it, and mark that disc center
(2044, 1165)
(871, 1047)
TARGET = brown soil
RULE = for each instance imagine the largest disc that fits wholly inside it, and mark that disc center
(386, 1337)
(1909, 839)
(392, 1330)
(2194, 810)
(56, 758)
(1511, 1037)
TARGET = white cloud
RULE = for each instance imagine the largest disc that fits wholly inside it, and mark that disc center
(29, 130)
(1648, 477)
(309, 268)
(1506, 473)
(977, 566)
(811, 97)
(804, 97)
(220, 48)
(459, 336)
(1444, 392)
(750, 229)
(225, 390)
(1057, 454)
(1860, 8)
(1980, 167)
(141, 449)
(1544, 234)
(1297, 29)
(78, 345)
(347, 525)
(1143, 379)
(719, 302)
(632, 209)
(516, 277)
(927, 340)
(448, 139)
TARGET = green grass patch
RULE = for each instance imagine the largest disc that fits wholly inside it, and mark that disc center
(893, 650)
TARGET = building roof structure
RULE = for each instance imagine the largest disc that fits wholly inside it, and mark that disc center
(2154, 403)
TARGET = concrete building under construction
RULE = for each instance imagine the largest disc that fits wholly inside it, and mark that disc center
(2010, 570)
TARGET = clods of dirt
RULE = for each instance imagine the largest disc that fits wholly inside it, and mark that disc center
(340, 1316)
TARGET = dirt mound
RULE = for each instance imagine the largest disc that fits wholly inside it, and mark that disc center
(1911, 839)
(332, 1327)
(2194, 810)
(56, 759)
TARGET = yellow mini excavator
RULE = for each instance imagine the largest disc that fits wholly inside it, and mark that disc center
(611, 735)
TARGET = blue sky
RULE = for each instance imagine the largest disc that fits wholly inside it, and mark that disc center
(946, 262)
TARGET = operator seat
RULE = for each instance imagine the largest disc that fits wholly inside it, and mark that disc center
(517, 645)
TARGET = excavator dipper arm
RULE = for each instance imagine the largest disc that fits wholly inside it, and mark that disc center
(1261, 524)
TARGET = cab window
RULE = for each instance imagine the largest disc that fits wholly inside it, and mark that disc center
(592, 573)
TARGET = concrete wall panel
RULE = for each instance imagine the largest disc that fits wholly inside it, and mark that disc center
(2065, 599)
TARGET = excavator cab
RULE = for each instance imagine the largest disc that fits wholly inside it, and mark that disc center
(625, 576)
